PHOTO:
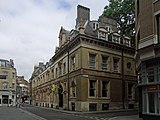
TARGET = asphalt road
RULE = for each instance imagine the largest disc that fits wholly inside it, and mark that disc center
(52, 114)
(13, 113)
(49, 114)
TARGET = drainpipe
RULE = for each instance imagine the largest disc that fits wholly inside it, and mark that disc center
(68, 79)
(123, 82)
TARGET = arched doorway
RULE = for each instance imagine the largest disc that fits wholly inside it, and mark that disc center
(60, 93)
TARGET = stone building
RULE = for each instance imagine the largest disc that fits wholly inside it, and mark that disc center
(22, 89)
(7, 83)
(148, 57)
(93, 68)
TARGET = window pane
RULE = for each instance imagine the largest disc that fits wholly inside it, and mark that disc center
(73, 61)
(2, 64)
(115, 65)
(3, 77)
(144, 102)
(92, 88)
(130, 90)
(60, 70)
(157, 100)
(151, 102)
(104, 88)
(151, 73)
(64, 68)
(92, 60)
(158, 27)
(102, 35)
(92, 107)
(5, 86)
(104, 62)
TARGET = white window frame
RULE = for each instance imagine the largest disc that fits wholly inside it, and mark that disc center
(95, 89)
(116, 66)
(73, 62)
(104, 65)
(91, 62)
(107, 89)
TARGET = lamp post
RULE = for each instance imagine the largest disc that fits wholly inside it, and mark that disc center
(122, 69)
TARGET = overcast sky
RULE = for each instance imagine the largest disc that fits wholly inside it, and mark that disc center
(29, 28)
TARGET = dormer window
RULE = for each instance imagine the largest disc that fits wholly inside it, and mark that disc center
(126, 42)
(102, 35)
(108, 29)
(95, 26)
(116, 39)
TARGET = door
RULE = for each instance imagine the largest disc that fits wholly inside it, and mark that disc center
(60, 93)
(5, 99)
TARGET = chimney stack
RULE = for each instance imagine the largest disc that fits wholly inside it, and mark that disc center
(83, 15)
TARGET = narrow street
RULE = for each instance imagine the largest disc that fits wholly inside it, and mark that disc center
(52, 114)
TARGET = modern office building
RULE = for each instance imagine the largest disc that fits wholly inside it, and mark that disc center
(148, 57)
(7, 83)
(93, 68)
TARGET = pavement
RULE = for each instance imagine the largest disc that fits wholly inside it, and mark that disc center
(91, 112)
(93, 115)
(13, 113)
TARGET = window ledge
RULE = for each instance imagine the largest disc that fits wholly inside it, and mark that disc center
(105, 98)
(91, 97)
(156, 114)
(151, 83)
(73, 97)
(155, 1)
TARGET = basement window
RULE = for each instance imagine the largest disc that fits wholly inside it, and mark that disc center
(92, 106)
(105, 106)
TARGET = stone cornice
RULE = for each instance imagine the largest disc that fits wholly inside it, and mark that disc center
(93, 41)
(107, 44)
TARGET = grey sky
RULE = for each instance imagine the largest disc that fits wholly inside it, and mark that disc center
(29, 28)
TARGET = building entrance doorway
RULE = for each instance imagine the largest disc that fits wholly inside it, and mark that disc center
(60, 93)
(5, 99)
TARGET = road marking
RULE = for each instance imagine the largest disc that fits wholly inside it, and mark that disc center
(86, 117)
(102, 118)
(96, 118)
(112, 118)
(91, 117)
(106, 118)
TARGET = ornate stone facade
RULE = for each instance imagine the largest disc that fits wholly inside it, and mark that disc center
(93, 69)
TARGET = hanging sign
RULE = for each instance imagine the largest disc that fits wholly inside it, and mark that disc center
(53, 88)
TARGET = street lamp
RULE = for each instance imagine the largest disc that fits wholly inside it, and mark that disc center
(122, 69)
